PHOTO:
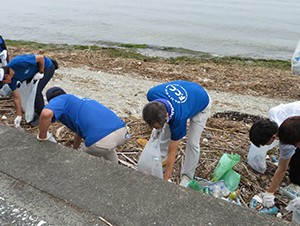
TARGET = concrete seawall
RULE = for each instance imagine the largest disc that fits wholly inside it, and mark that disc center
(95, 187)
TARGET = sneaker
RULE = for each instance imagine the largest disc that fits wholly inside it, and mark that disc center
(35, 121)
(184, 181)
(292, 191)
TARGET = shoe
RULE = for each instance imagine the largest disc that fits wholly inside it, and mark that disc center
(292, 191)
(35, 121)
(185, 180)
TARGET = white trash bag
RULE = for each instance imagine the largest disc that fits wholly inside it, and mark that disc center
(28, 93)
(257, 156)
(150, 159)
(283, 111)
(3, 58)
(296, 60)
(294, 206)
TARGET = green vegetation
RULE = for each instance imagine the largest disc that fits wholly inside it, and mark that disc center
(126, 51)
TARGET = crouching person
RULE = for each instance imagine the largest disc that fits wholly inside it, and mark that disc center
(101, 129)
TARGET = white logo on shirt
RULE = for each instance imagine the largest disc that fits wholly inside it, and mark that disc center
(176, 93)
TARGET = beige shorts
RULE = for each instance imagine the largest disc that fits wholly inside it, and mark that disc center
(106, 146)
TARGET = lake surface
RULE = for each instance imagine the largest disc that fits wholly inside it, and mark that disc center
(259, 29)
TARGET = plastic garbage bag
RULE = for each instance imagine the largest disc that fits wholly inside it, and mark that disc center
(28, 92)
(283, 111)
(232, 179)
(226, 163)
(150, 159)
(294, 206)
(296, 60)
(257, 156)
(3, 58)
(224, 171)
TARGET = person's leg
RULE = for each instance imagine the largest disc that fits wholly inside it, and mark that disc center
(294, 171)
(39, 99)
(106, 147)
(192, 151)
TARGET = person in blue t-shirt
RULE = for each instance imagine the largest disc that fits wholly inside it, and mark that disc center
(171, 105)
(28, 67)
(101, 129)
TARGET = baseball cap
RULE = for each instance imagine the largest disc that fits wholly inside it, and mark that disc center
(1, 77)
(53, 92)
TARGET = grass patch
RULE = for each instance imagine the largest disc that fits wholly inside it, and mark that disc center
(128, 51)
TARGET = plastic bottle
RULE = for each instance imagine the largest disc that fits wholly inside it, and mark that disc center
(271, 210)
(217, 191)
(193, 184)
(234, 195)
(206, 190)
(256, 204)
(5, 89)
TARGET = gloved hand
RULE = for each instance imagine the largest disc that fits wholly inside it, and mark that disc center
(17, 121)
(268, 199)
(38, 76)
(49, 137)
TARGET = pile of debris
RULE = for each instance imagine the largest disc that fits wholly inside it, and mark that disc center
(225, 132)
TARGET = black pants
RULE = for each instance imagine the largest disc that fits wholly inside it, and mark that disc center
(294, 171)
(39, 99)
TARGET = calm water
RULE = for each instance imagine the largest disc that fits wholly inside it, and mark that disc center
(262, 29)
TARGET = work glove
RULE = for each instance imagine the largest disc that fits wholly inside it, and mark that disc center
(49, 137)
(17, 121)
(268, 199)
(38, 76)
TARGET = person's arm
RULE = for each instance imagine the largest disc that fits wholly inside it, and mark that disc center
(279, 174)
(44, 122)
(77, 141)
(173, 145)
(17, 102)
(41, 62)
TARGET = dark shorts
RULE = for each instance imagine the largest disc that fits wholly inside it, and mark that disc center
(294, 171)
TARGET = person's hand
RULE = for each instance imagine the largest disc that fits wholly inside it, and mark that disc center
(17, 121)
(268, 199)
(38, 76)
(49, 137)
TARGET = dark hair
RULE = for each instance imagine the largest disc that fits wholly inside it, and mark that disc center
(6, 71)
(262, 131)
(54, 92)
(289, 131)
(155, 111)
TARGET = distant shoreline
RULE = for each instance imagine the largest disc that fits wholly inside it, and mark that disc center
(138, 51)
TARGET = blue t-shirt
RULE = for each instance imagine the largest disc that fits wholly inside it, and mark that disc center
(88, 118)
(25, 66)
(186, 98)
(2, 44)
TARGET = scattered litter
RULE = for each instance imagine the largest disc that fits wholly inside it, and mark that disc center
(209, 136)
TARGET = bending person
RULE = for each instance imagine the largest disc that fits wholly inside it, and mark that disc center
(28, 67)
(171, 106)
(264, 132)
(101, 129)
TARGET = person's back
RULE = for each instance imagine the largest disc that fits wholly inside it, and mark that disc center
(88, 118)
